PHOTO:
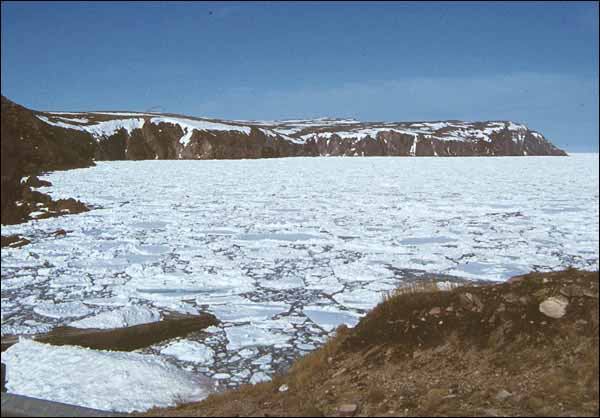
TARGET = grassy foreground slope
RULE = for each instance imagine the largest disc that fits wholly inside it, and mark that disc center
(526, 347)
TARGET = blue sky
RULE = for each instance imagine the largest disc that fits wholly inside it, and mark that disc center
(535, 63)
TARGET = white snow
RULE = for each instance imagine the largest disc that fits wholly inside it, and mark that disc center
(251, 336)
(100, 129)
(259, 377)
(62, 310)
(190, 351)
(329, 318)
(189, 125)
(109, 381)
(119, 318)
(78, 120)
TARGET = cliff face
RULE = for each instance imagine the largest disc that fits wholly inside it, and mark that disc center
(163, 141)
(135, 136)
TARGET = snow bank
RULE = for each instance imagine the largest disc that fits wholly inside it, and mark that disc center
(189, 125)
(100, 129)
(109, 381)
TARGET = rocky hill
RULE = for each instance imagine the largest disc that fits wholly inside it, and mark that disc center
(135, 136)
(30, 147)
(528, 347)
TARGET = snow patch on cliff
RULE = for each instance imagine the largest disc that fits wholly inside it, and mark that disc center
(190, 125)
(98, 130)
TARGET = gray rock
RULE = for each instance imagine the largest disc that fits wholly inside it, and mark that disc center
(472, 301)
(348, 409)
(435, 311)
(503, 395)
(554, 307)
(571, 291)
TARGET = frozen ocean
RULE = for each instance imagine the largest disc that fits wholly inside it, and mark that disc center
(283, 251)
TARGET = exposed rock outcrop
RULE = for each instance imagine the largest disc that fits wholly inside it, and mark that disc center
(143, 136)
(29, 147)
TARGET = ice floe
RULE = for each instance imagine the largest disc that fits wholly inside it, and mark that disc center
(190, 351)
(119, 318)
(110, 381)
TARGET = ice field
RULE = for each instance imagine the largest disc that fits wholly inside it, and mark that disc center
(283, 251)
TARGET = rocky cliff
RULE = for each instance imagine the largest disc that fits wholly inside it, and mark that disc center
(136, 136)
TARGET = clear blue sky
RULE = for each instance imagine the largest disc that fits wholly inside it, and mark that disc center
(535, 63)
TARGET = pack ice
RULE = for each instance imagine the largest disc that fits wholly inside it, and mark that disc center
(281, 251)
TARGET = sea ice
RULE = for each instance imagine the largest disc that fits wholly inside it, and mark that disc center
(119, 318)
(283, 251)
(251, 336)
(190, 351)
(110, 381)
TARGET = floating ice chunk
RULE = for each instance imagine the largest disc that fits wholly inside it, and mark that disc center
(119, 318)
(328, 285)
(108, 301)
(361, 271)
(247, 312)
(494, 271)
(259, 377)
(109, 381)
(359, 299)
(180, 286)
(281, 236)
(212, 330)
(28, 328)
(427, 240)
(283, 283)
(247, 353)
(251, 336)
(190, 351)
(306, 347)
(329, 317)
(62, 310)
(261, 361)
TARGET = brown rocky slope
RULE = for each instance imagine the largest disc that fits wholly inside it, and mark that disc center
(528, 347)
(30, 147)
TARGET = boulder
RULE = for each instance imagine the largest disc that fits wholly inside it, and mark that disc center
(554, 307)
